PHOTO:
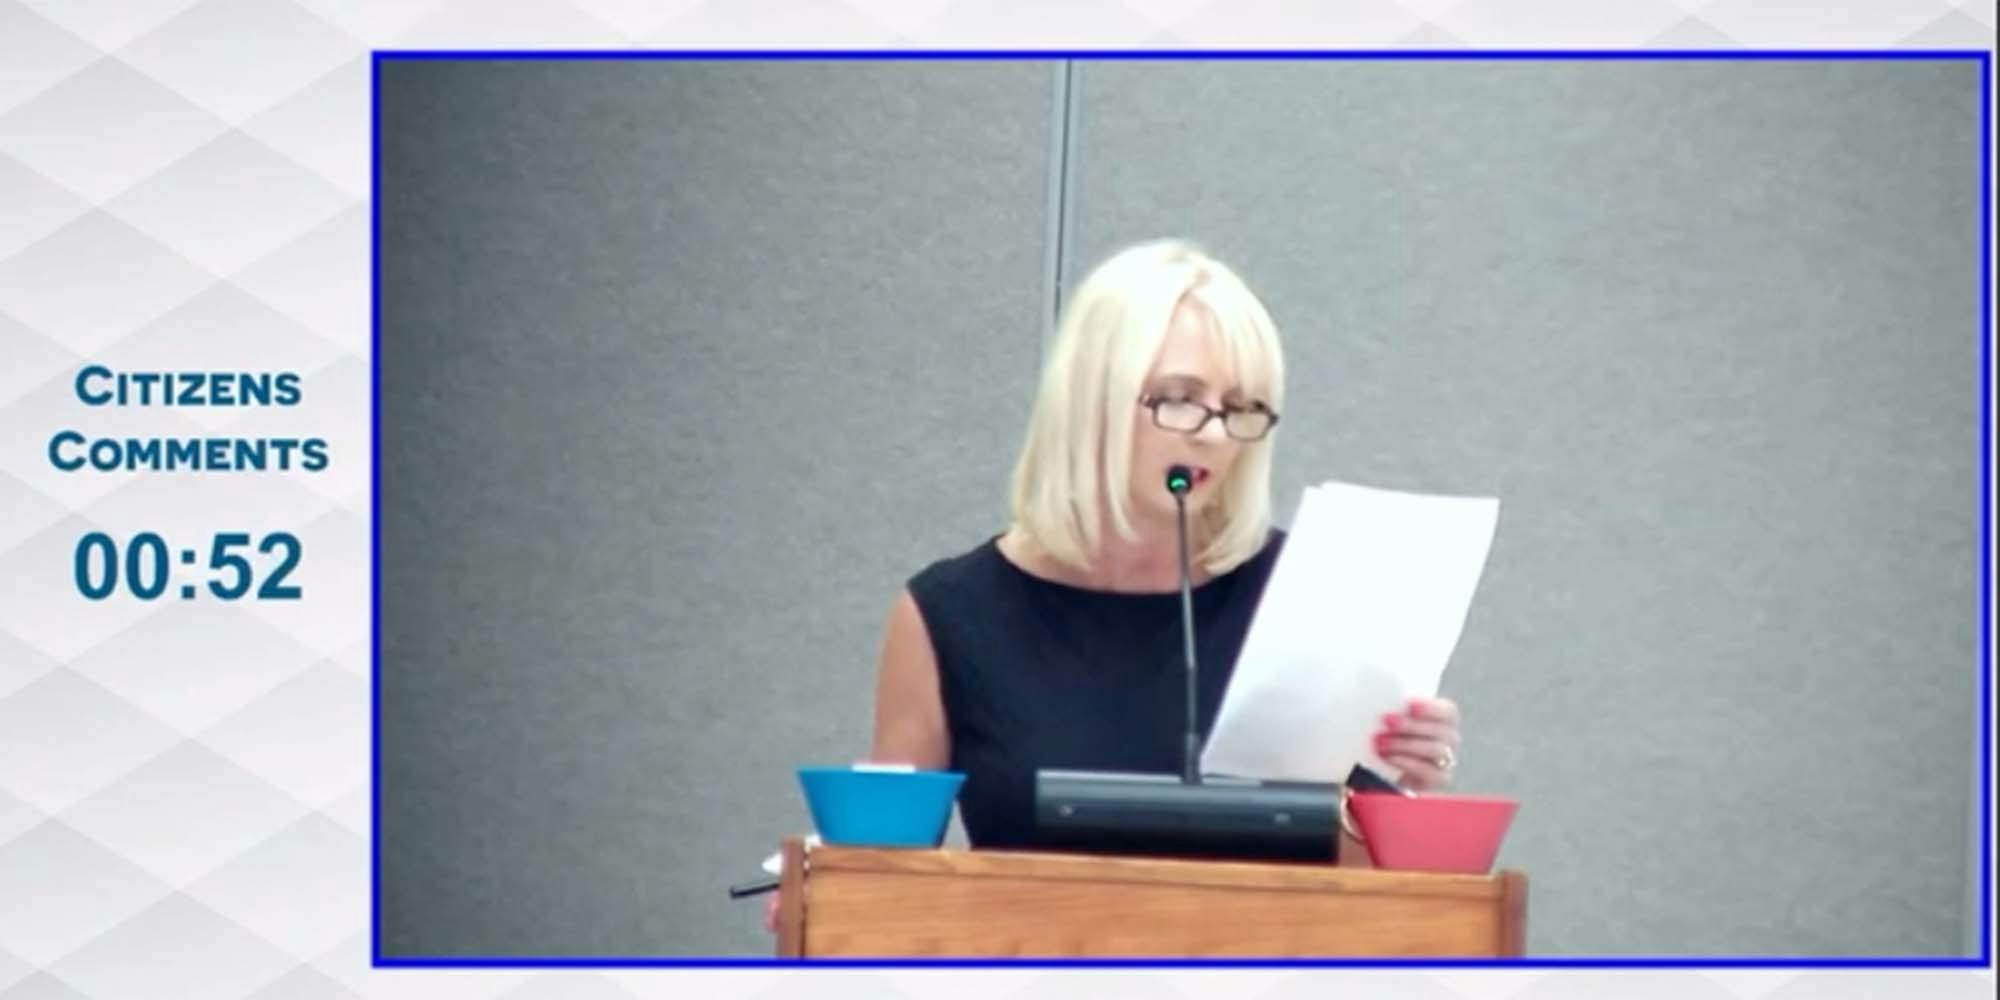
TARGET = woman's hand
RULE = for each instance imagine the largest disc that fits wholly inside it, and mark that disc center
(1422, 742)
(771, 913)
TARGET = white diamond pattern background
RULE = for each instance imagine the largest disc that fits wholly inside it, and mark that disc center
(135, 664)
(1379, 986)
(353, 659)
(1692, 33)
(284, 888)
(302, 735)
(20, 665)
(1146, 985)
(352, 811)
(1026, 24)
(304, 984)
(229, 203)
(104, 129)
(1841, 22)
(237, 57)
(42, 986)
(150, 817)
(23, 512)
(640, 18)
(1562, 23)
(109, 24)
(63, 891)
(36, 207)
(910, 18)
(60, 289)
(63, 737)
(1272, 23)
(320, 280)
(31, 361)
(12, 970)
(184, 802)
(16, 817)
(376, 22)
(513, 24)
(804, 24)
(146, 957)
(570, 986)
(348, 963)
(324, 128)
(35, 53)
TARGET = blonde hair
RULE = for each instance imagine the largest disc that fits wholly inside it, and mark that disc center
(1076, 463)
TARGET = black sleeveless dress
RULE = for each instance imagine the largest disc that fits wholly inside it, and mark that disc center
(1037, 674)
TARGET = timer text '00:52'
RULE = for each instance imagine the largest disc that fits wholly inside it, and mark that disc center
(148, 567)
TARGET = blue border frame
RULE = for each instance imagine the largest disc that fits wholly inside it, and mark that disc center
(1984, 59)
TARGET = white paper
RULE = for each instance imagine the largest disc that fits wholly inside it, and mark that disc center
(1361, 614)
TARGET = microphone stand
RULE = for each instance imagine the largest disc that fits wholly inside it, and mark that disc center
(1184, 816)
(1191, 741)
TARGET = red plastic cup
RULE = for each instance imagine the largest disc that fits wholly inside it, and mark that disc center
(1433, 833)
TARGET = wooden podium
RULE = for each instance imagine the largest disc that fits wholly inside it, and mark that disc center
(860, 902)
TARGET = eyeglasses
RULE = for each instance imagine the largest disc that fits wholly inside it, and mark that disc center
(1244, 423)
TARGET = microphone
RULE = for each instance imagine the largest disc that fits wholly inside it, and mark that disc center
(1180, 479)
(1114, 812)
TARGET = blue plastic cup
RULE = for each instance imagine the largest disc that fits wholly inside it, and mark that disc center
(868, 808)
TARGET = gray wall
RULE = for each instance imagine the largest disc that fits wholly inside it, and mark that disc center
(1710, 332)
(686, 366)
(684, 369)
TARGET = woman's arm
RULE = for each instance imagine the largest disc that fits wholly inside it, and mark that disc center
(909, 711)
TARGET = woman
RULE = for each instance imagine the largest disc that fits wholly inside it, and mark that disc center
(1058, 644)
